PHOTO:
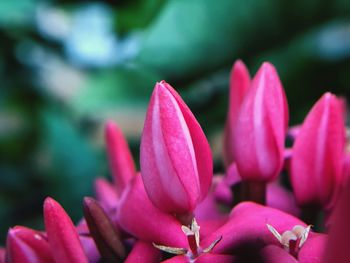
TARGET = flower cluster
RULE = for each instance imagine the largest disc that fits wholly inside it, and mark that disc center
(175, 210)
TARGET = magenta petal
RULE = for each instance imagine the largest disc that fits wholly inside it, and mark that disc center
(87, 242)
(210, 226)
(276, 254)
(259, 134)
(174, 152)
(119, 156)
(313, 249)
(337, 249)
(143, 252)
(247, 224)
(62, 235)
(280, 198)
(2, 255)
(137, 215)
(25, 245)
(223, 192)
(90, 249)
(239, 84)
(106, 194)
(209, 208)
(318, 153)
(294, 131)
(346, 170)
(209, 258)
(201, 146)
(177, 259)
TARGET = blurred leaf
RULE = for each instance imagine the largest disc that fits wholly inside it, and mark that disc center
(193, 37)
(16, 13)
(317, 62)
(137, 14)
(71, 161)
(115, 89)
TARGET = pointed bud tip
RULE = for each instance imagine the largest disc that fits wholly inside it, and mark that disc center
(110, 128)
(328, 96)
(109, 125)
(267, 65)
(11, 233)
(88, 202)
(49, 202)
(238, 64)
(239, 70)
(267, 68)
(15, 229)
(162, 85)
(162, 88)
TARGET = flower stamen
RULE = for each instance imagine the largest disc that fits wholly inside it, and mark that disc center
(292, 240)
(193, 239)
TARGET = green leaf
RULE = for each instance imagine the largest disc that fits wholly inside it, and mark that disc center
(114, 90)
(192, 37)
(16, 13)
(71, 161)
(137, 14)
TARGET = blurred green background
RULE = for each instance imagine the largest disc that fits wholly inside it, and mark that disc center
(68, 66)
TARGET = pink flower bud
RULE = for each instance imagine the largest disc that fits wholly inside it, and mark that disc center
(25, 245)
(119, 156)
(260, 129)
(63, 238)
(318, 153)
(176, 161)
(239, 84)
(106, 194)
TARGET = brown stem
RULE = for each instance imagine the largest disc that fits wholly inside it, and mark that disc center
(254, 191)
(310, 214)
(185, 219)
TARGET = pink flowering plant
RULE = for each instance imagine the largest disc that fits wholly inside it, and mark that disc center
(175, 210)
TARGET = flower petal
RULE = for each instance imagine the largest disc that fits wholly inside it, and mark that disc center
(247, 224)
(276, 254)
(261, 126)
(337, 247)
(119, 156)
(106, 194)
(63, 238)
(318, 154)
(137, 215)
(239, 84)
(174, 151)
(143, 252)
(25, 245)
